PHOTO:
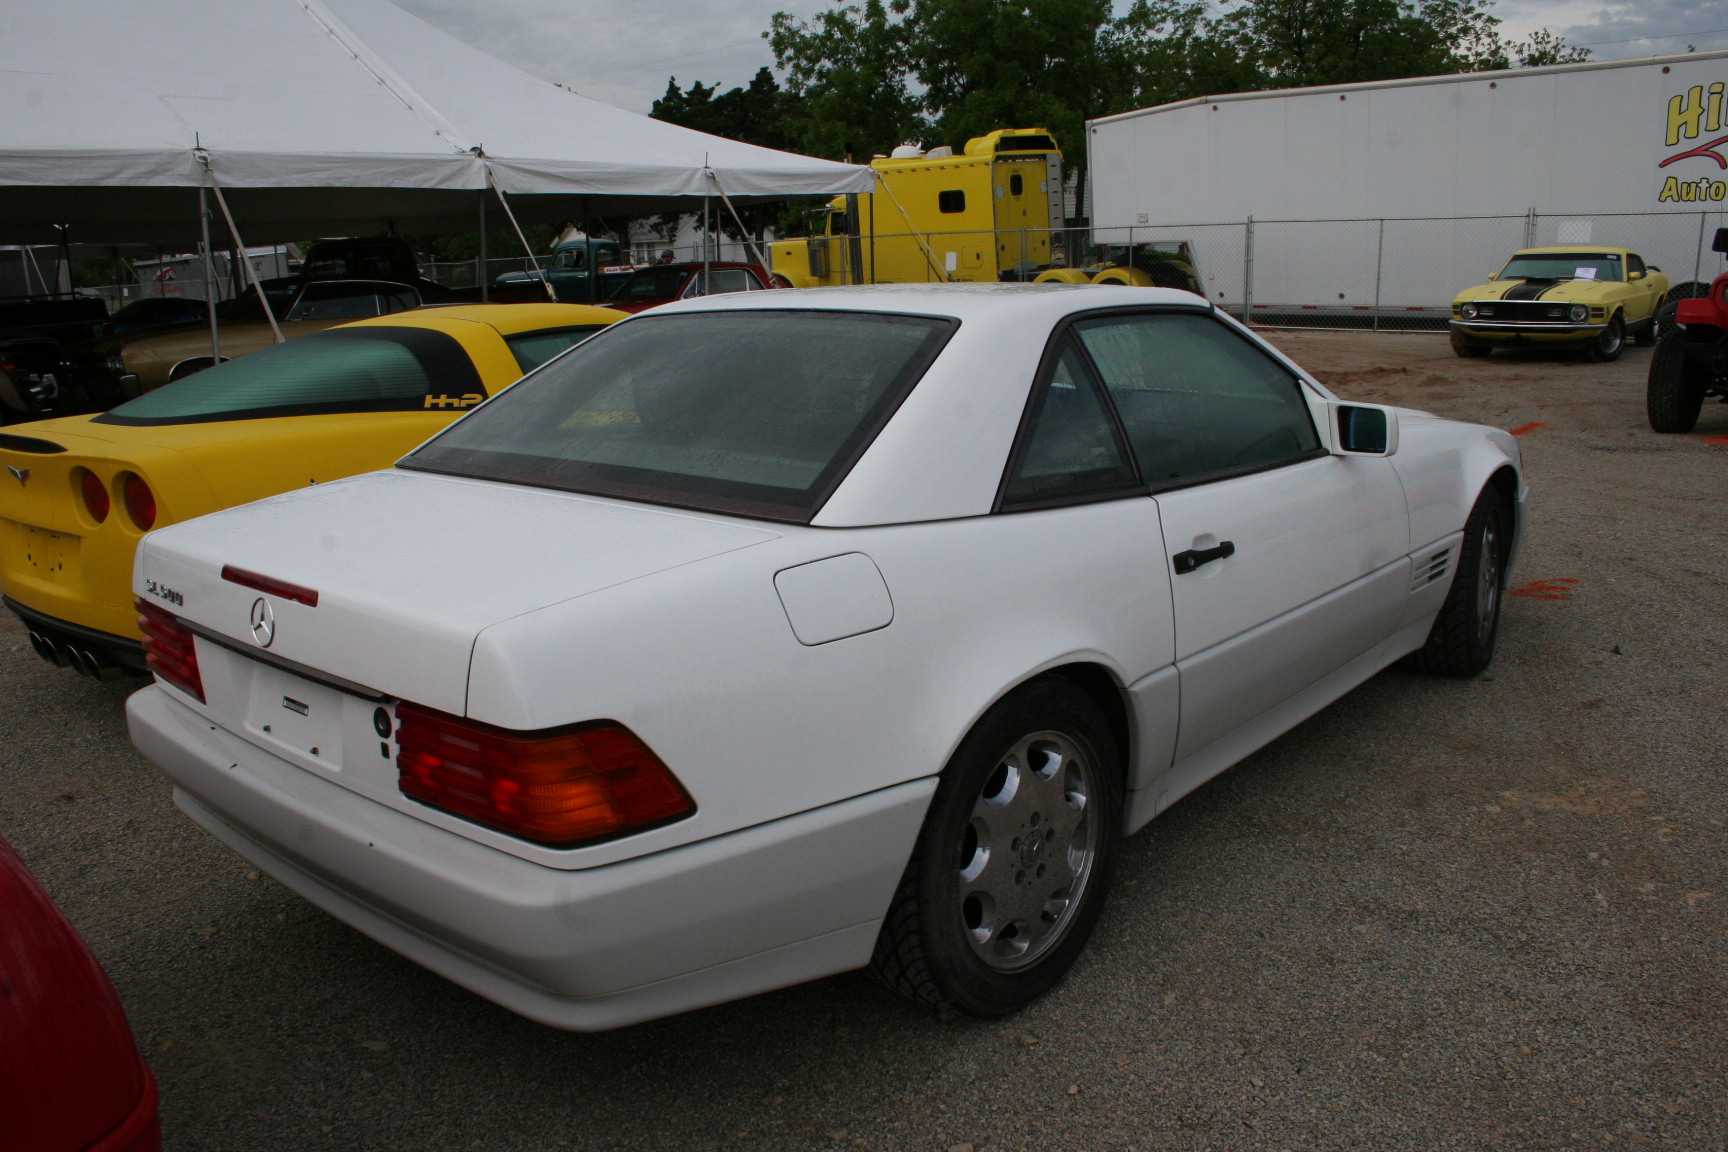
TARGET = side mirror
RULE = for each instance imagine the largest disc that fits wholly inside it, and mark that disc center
(1634, 275)
(1362, 429)
(1492, 276)
(1721, 244)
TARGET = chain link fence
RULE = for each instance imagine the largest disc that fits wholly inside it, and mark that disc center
(1387, 274)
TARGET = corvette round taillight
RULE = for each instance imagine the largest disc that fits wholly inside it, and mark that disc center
(140, 501)
(565, 787)
(95, 495)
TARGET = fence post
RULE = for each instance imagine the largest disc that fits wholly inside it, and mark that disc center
(1248, 274)
(1530, 228)
(1379, 261)
(1698, 260)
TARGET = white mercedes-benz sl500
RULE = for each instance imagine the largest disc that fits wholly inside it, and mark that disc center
(767, 636)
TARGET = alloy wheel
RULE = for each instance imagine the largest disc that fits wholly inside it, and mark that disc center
(1028, 852)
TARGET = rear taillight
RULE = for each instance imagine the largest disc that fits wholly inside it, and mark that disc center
(563, 788)
(95, 494)
(169, 649)
(140, 501)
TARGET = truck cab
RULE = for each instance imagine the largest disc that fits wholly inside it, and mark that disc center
(582, 270)
(984, 214)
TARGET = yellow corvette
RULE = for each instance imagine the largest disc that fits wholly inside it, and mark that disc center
(78, 492)
(1566, 297)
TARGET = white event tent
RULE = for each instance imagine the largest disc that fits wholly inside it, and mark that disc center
(322, 117)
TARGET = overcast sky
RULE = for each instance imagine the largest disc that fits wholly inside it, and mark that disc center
(622, 52)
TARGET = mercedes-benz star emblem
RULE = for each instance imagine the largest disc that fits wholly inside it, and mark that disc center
(23, 474)
(263, 622)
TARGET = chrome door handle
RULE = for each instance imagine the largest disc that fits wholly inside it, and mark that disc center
(1185, 562)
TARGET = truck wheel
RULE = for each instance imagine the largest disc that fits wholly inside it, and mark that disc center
(1646, 336)
(1610, 342)
(1461, 643)
(1469, 349)
(1675, 390)
(1120, 275)
(1011, 869)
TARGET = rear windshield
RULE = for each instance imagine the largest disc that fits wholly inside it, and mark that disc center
(348, 370)
(1565, 266)
(756, 412)
(533, 349)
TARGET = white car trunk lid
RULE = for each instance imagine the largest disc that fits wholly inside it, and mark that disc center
(409, 567)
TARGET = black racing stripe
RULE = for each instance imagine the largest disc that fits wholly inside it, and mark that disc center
(1528, 289)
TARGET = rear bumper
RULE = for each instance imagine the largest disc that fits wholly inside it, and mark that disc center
(69, 645)
(761, 908)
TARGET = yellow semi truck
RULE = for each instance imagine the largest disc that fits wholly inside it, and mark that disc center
(990, 212)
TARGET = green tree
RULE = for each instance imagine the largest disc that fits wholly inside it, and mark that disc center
(761, 113)
(850, 73)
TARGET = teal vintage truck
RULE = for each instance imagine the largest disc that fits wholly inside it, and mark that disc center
(582, 269)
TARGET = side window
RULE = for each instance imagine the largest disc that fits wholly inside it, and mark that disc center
(1634, 262)
(1194, 397)
(533, 349)
(1015, 184)
(954, 201)
(1070, 449)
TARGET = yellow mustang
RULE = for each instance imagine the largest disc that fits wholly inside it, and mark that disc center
(79, 491)
(1567, 297)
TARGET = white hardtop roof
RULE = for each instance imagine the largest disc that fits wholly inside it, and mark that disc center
(941, 455)
(962, 301)
(321, 116)
(1499, 76)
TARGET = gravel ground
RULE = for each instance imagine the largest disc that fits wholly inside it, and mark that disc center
(1442, 914)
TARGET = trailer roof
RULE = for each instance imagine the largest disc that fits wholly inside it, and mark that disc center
(1417, 81)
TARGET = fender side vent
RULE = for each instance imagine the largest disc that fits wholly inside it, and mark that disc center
(1433, 568)
(29, 444)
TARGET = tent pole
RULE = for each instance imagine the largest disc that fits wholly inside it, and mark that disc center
(480, 256)
(753, 249)
(505, 204)
(209, 276)
(707, 247)
(240, 248)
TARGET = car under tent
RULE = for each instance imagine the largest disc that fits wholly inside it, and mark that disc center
(181, 121)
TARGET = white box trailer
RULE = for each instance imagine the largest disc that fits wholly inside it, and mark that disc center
(1391, 196)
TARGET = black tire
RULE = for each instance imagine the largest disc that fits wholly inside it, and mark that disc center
(948, 941)
(1461, 643)
(1667, 319)
(1469, 349)
(1646, 335)
(1609, 342)
(1674, 390)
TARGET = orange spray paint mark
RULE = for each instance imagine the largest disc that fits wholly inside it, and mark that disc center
(1559, 588)
(1716, 441)
(1523, 428)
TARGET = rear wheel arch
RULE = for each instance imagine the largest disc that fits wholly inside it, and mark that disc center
(1099, 683)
